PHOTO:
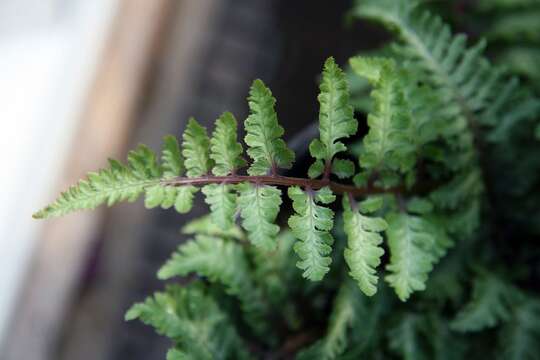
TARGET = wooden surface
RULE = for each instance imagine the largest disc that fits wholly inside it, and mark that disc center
(104, 130)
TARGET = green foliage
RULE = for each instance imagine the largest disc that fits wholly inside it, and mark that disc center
(311, 225)
(224, 262)
(346, 308)
(222, 202)
(520, 337)
(264, 133)
(259, 206)
(364, 251)
(415, 245)
(336, 121)
(405, 338)
(449, 163)
(117, 183)
(225, 150)
(193, 321)
(196, 150)
(490, 304)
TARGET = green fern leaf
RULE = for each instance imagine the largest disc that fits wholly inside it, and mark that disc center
(415, 246)
(468, 85)
(117, 183)
(336, 120)
(311, 226)
(193, 321)
(489, 305)
(171, 159)
(259, 207)
(225, 149)
(363, 252)
(222, 201)
(264, 133)
(405, 337)
(196, 146)
(386, 143)
(520, 336)
(222, 262)
(346, 309)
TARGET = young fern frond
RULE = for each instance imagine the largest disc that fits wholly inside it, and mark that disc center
(193, 320)
(224, 262)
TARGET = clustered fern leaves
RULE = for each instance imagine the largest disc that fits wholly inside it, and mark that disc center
(411, 209)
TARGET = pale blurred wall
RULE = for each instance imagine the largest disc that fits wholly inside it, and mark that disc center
(49, 51)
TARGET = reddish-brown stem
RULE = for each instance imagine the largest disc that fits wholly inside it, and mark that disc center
(315, 184)
(327, 170)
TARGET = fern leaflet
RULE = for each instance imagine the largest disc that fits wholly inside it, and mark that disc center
(311, 226)
(266, 147)
(259, 206)
(364, 251)
(336, 121)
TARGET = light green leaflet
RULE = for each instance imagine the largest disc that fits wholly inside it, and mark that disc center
(259, 206)
(311, 225)
(264, 133)
(336, 121)
(364, 251)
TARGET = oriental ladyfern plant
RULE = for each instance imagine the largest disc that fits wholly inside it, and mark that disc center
(410, 206)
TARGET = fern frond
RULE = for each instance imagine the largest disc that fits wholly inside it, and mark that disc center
(196, 149)
(193, 321)
(414, 248)
(225, 149)
(520, 336)
(311, 226)
(346, 309)
(336, 120)
(363, 252)
(112, 185)
(466, 82)
(259, 207)
(405, 338)
(387, 143)
(222, 262)
(490, 304)
(274, 271)
(222, 202)
(264, 133)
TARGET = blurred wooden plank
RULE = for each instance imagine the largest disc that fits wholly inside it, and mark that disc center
(104, 129)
